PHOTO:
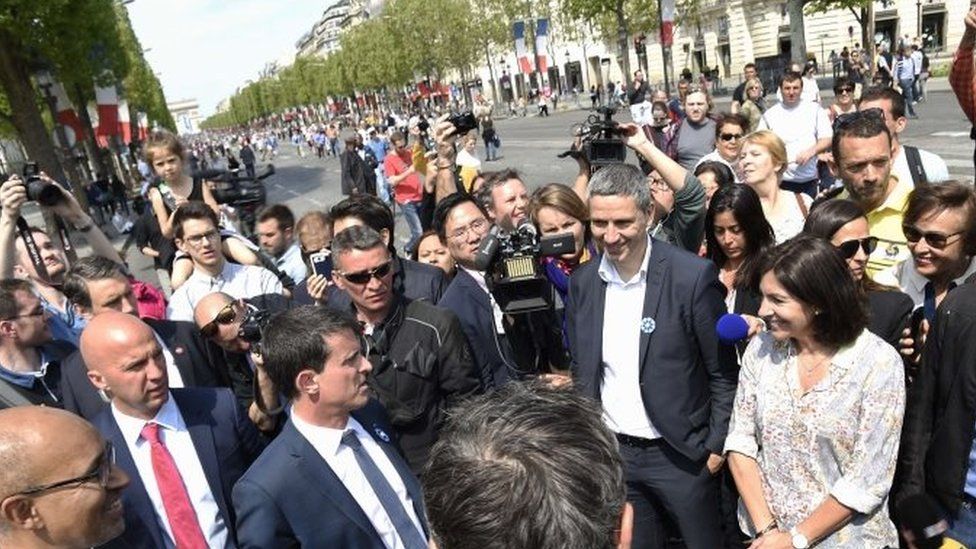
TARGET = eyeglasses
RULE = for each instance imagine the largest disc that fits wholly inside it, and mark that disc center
(478, 226)
(39, 311)
(101, 473)
(224, 317)
(934, 239)
(364, 277)
(730, 136)
(844, 120)
(849, 248)
(845, 89)
(197, 240)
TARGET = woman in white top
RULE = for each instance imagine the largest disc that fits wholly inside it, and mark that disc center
(811, 90)
(729, 132)
(762, 162)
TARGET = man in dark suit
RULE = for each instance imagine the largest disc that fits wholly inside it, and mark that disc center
(95, 285)
(183, 448)
(641, 323)
(333, 477)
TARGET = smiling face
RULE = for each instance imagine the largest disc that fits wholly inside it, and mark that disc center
(786, 317)
(508, 204)
(933, 263)
(729, 142)
(619, 227)
(552, 221)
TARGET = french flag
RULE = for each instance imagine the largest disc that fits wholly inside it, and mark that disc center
(520, 52)
(107, 100)
(542, 44)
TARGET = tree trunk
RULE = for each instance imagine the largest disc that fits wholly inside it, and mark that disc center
(491, 75)
(798, 40)
(15, 80)
(869, 41)
(623, 37)
(133, 123)
(88, 140)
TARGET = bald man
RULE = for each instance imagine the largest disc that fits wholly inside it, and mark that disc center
(183, 448)
(58, 480)
(218, 316)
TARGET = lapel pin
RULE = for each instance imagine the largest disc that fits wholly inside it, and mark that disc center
(178, 350)
(647, 325)
(381, 433)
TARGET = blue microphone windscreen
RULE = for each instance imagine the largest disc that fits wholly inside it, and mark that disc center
(731, 328)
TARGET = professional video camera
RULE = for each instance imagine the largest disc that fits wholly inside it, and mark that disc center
(513, 271)
(601, 142)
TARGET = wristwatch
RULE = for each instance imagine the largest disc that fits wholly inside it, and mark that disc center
(799, 540)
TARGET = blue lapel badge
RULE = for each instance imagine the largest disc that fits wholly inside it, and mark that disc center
(647, 325)
(381, 433)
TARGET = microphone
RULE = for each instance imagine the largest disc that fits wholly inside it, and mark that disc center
(487, 249)
(921, 521)
(731, 328)
(211, 174)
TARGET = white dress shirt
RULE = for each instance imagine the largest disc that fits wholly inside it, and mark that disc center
(237, 281)
(342, 461)
(172, 372)
(623, 311)
(479, 277)
(292, 264)
(906, 277)
(174, 435)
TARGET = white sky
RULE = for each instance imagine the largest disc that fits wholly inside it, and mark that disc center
(205, 49)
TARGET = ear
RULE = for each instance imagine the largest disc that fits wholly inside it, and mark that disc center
(306, 383)
(20, 272)
(98, 380)
(385, 235)
(8, 329)
(834, 168)
(83, 312)
(20, 511)
(626, 534)
(900, 124)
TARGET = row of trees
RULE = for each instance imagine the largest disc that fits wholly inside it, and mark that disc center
(79, 42)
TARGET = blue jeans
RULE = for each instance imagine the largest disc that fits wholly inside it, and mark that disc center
(382, 187)
(963, 527)
(411, 214)
(491, 151)
(908, 91)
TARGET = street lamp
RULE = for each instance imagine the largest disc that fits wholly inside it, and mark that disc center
(918, 6)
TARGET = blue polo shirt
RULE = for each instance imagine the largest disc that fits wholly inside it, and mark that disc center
(65, 325)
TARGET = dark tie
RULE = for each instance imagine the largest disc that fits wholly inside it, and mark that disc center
(182, 518)
(405, 528)
(928, 305)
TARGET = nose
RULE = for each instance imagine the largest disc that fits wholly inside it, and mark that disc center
(365, 366)
(764, 309)
(611, 236)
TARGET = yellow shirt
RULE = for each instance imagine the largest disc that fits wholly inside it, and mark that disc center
(884, 222)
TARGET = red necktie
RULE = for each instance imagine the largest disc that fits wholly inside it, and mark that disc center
(182, 518)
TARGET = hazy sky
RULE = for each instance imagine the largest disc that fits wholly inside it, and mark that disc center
(205, 49)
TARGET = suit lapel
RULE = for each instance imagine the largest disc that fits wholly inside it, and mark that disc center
(203, 442)
(652, 298)
(474, 290)
(596, 352)
(181, 358)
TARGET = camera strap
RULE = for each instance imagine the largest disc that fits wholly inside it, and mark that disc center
(34, 253)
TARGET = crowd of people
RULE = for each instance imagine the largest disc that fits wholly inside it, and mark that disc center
(757, 337)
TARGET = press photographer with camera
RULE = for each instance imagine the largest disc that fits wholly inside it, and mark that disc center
(29, 253)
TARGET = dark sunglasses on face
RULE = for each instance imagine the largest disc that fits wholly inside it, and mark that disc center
(849, 248)
(845, 120)
(363, 277)
(845, 89)
(224, 317)
(934, 239)
(730, 136)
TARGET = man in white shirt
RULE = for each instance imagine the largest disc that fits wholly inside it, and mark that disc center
(929, 168)
(805, 129)
(183, 448)
(196, 234)
(333, 477)
(275, 228)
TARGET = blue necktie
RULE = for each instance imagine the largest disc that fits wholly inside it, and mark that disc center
(405, 528)
(929, 301)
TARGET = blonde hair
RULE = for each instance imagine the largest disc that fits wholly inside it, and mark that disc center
(773, 145)
(754, 81)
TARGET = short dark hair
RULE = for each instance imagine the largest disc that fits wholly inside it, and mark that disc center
(359, 237)
(722, 172)
(731, 118)
(841, 82)
(294, 340)
(444, 208)
(932, 199)
(878, 93)
(94, 267)
(860, 125)
(493, 480)
(192, 210)
(280, 213)
(792, 76)
(494, 180)
(827, 217)
(747, 66)
(744, 205)
(366, 208)
(814, 273)
(8, 304)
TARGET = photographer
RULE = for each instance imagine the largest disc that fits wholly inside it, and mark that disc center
(15, 261)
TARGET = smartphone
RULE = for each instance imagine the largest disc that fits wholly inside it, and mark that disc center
(322, 263)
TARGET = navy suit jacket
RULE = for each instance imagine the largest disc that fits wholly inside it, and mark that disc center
(687, 377)
(290, 497)
(201, 364)
(226, 442)
(470, 304)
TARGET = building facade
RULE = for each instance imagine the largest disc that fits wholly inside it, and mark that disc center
(186, 114)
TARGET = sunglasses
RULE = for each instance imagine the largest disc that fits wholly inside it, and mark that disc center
(363, 277)
(844, 90)
(844, 120)
(730, 136)
(101, 474)
(224, 317)
(849, 248)
(935, 240)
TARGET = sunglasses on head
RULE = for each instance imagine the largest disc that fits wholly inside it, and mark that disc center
(730, 136)
(934, 239)
(849, 248)
(844, 120)
(363, 277)
(224, 317)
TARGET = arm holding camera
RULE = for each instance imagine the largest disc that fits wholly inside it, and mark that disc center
(581, 185)
(13, 195)
(672, 172)
(72, 213)
(444, 137)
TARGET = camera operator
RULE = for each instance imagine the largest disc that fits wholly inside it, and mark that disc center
(15, 261)
(421, 362)
(505, 198)
(220, 318)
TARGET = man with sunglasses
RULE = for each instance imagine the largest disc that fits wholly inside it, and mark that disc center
(422, 364)
(95, 285)
(184, 448)
(30, 358)
(59, 485)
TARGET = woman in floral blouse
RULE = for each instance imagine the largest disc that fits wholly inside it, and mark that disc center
(817, 416)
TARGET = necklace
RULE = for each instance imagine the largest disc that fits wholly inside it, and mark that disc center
(817, 364)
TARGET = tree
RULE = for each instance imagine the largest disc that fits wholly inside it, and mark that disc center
(863, 11)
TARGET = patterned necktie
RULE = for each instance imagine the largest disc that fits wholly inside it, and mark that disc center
(405, 528)
(182, 518)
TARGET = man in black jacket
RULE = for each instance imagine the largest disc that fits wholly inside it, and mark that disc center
(938, 448)
(357, 176)
(421, 361)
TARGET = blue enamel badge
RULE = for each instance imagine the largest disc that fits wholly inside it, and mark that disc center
(647, 325)
(381, 433)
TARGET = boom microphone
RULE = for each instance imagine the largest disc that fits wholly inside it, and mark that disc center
(731, 329)
(487, 249)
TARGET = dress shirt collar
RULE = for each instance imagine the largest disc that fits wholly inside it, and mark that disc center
(291, 252)
(227, 273)
(608, 271)
(918, 282)
(168, 417)
(326, 440)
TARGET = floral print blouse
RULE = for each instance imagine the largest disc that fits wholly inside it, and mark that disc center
(840, 438)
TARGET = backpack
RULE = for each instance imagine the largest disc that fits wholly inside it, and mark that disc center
(915, 166)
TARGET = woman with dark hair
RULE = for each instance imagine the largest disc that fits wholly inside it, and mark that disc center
(844, 224)
(431, 249)
(817, 416)
(714, 176)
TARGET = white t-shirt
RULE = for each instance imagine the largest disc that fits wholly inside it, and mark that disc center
(800, 127)
(936, 170)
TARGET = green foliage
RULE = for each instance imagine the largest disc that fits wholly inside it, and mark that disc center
(821, 6)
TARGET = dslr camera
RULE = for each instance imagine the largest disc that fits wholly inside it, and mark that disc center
(38, 190)
(253, 325)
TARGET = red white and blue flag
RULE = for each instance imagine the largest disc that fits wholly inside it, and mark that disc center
(667, 22)
(520, 51)
(542, 44)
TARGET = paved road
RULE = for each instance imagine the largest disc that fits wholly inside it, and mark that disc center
(531, 145)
